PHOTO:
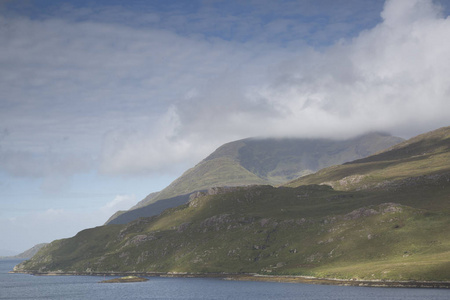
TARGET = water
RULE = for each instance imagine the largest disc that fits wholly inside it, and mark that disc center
(22, 286)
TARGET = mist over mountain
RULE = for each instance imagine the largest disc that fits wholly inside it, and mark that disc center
(104, 102)
(384, 217)
(256, 161)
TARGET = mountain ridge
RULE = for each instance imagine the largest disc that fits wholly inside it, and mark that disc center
(257, 161)
(397, 230)
(423, 155)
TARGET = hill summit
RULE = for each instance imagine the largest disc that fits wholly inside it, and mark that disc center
(257, 161)
(382, 218)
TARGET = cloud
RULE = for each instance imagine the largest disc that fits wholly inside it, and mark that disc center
(120, 202)
(90, 79)
(403, 12)
(54, 169)
(163, 89)
(147, 90)
(139, 151)
(83, 81)
(392, 77)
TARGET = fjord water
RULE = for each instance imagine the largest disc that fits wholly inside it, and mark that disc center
(22, 286)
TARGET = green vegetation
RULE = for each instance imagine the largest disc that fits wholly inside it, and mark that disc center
(210, 173)
(262, 161)
(418, 161)
(272, 161)
(385, 217)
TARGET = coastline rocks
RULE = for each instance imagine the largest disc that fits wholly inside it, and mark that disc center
(125, 279)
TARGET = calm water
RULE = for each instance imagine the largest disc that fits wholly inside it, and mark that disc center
(21, 286)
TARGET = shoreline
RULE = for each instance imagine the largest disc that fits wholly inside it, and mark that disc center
(262, 278)
(347, 282)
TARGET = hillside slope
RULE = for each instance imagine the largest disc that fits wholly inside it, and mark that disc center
(424, 158)
(273, 161)
(396, 230)
(261, 161)
(30, 252)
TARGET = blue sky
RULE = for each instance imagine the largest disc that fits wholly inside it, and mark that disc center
(104, 102)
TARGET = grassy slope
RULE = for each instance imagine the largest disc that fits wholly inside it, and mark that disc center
(286, 159)
(309, 230)
(210, 173)
(267, 161)
(389, 227)
(424, 155)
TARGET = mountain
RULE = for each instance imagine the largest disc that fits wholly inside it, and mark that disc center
(4, 253)
(125, 216)
(152, 209)
(384, 217)
(257, 162)
(31, 252)
(424, 157)
(28, 253)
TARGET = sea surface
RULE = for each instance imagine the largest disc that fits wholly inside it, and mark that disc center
(23, 286)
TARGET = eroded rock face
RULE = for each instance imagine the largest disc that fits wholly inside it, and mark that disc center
(216, 220)
(195, 198)
(351, 180)
(139, 239)
(133, 226)
(183, 227)
(435, 180)
(360, 212)
(367, 211)
(390, 208)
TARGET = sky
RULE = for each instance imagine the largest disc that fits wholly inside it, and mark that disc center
(104, 102)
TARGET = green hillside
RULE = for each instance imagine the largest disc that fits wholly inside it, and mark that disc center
(273, 161)
(262, 161)
(221, 171)
(390, 224)
(423, 158)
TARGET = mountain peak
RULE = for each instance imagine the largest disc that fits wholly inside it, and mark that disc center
(271, 161)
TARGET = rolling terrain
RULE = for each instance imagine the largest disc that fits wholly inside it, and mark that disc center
(384, 217)
(257, 162)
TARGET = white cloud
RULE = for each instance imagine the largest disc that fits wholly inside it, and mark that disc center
(405, 12)
(153, 150)
(137, 91)
(80, 82)
(393, 77)
(120, 202)
(134, 99)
